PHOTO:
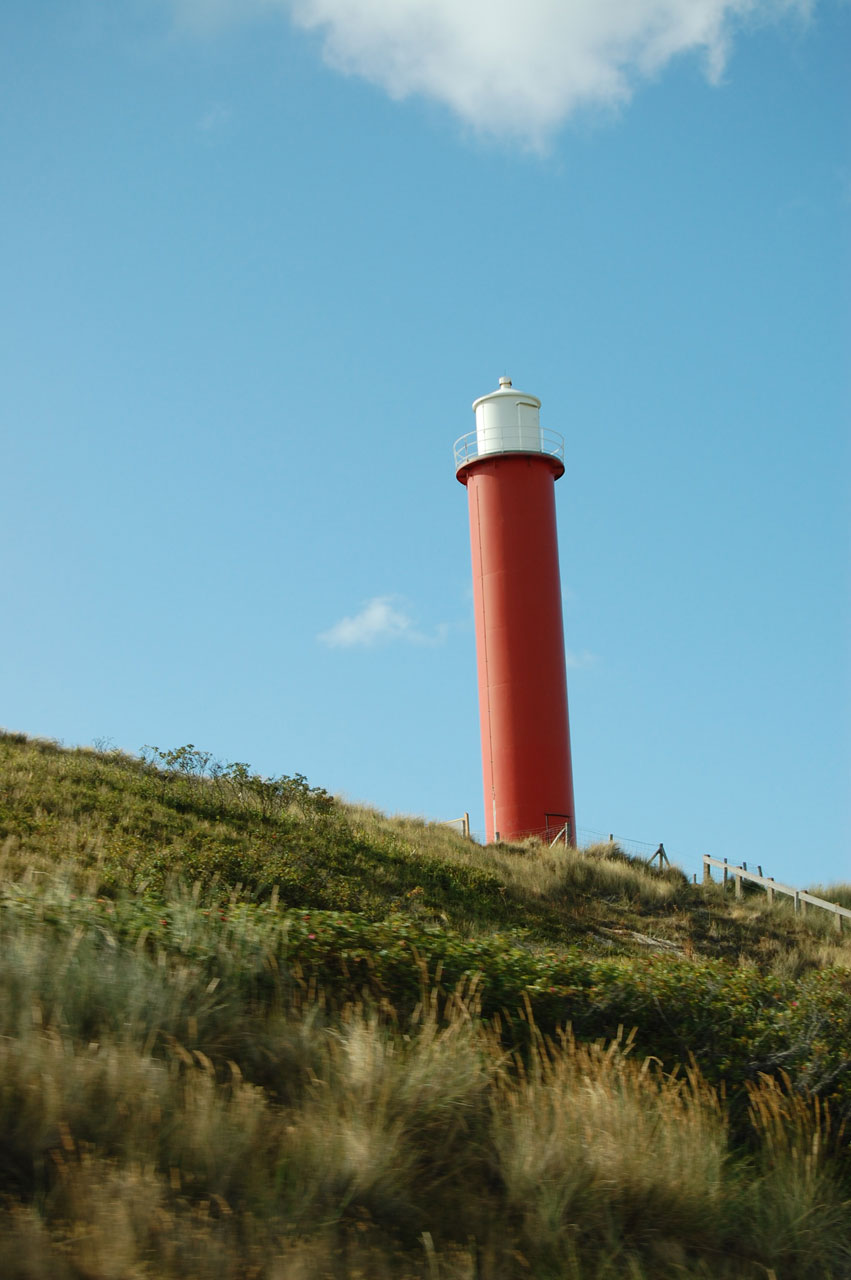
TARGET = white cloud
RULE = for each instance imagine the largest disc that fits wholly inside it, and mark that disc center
(382, 619)
(576, 661)
(215, 118)
(513, 68)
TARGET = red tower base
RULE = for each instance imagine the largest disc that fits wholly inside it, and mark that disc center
(528, 779)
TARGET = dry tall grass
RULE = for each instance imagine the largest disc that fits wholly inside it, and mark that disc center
(375, 1149)
(157, 1121)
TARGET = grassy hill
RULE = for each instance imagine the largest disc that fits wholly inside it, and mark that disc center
(247, 1030)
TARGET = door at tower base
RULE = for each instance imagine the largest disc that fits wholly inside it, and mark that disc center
(526, 764)
(559, 828)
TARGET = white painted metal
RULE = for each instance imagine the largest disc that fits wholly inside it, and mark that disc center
(507, 421)
(467, 448)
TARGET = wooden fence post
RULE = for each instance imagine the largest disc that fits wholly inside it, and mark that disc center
(662, 856)
(802, 900)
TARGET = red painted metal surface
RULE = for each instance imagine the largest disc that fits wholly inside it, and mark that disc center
(528, 778)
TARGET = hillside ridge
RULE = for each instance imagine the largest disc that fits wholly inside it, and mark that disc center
(249, 1031)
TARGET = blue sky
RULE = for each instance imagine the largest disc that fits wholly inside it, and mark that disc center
(257, 262)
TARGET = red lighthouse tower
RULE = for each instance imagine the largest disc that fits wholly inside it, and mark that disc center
(510, 465)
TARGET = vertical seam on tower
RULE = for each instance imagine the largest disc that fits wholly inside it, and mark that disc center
(487, 667)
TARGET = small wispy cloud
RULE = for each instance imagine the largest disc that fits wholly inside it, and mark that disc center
(215, 118)
(578, 660)
(843, 178)
(381, 621)
(511, 70)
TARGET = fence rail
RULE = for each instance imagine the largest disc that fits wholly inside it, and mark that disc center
(800, 898)
(461, 825)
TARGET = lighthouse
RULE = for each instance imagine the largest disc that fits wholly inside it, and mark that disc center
(509, 465)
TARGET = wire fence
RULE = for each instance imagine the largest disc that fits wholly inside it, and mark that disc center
(648, 849)
(627, 843)
(690, 864)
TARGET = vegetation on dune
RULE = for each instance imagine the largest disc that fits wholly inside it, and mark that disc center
(116, 822)
(246, 1030)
